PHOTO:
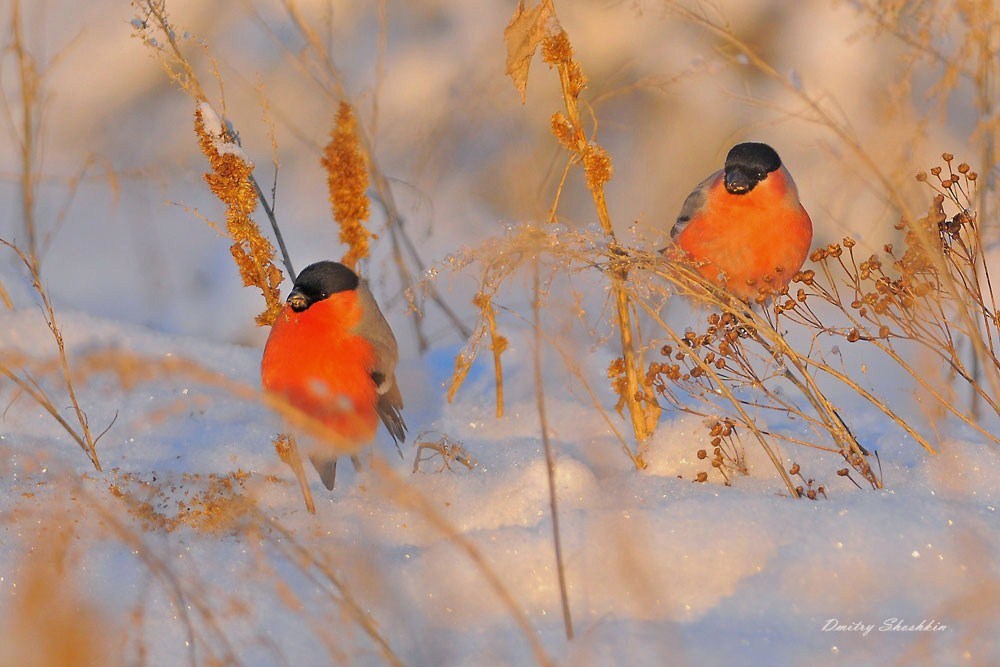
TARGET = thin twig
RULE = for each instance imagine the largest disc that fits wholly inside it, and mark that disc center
(50, 319)
(550, 464)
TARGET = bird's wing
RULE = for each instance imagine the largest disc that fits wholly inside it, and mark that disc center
(693, 204)
(373, 328)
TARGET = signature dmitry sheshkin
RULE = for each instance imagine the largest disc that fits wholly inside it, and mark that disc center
(887, 625)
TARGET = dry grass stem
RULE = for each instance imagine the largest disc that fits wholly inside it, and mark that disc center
(152, 21)
(550, 462)
(31, 101)
(443, 447)
(83, 436)
(498, 343)
(288, 452)
(529, 30)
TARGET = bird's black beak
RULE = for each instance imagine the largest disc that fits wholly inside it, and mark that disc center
(739, 182)
(297, 301)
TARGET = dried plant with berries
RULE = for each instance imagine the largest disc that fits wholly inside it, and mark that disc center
(933, 297)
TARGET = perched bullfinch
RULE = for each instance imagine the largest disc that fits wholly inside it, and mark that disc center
(744, 227)
(332, 355)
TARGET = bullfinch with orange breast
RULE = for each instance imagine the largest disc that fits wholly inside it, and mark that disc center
(332, 355)
(744, 227)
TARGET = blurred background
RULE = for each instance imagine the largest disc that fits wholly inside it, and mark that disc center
(121, 196)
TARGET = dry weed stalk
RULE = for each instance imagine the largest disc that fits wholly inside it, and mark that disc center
(539, 26)
(727, 453)
(443, 447)
(498, 343)
(550, 461)
(497, 261)
(497, 266)
(347, 177)
(957, 42)
(288, 451)
(910, 300)
(25, 134)
(153, 25)
(28, 384)
(31, 102)
(229, 180)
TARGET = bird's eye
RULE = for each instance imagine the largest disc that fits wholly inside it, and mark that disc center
(761, 175)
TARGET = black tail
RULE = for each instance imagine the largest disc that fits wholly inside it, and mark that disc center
(388, 408)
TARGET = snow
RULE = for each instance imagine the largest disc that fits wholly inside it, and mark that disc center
(193, 545)
(658, 566)
(220, 138)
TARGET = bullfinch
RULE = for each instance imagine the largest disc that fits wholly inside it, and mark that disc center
(744, 227)
(332, 355)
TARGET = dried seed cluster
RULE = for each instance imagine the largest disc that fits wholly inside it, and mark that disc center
(229, 180)
(727, 455)
(347, 179)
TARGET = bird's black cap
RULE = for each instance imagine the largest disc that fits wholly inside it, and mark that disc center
(318, 281)
(747, 165)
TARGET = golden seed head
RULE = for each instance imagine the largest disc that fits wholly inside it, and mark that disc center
(347, 180)
(564, 131)
(597, 166)
(556, 48)
(230, 181)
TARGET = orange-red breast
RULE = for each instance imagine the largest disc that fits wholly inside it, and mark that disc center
(744, 226)
(332, 355)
